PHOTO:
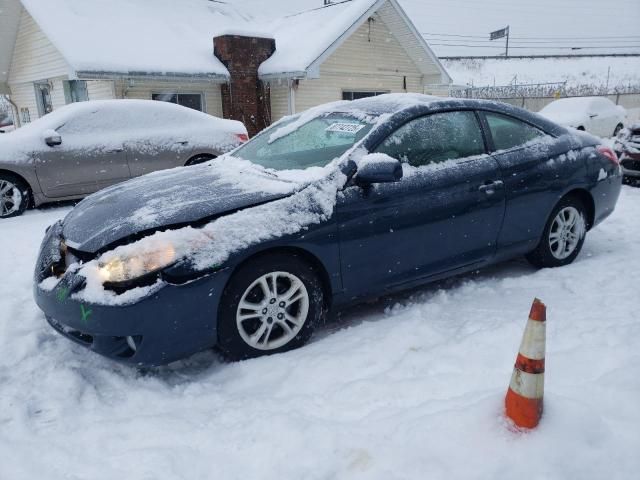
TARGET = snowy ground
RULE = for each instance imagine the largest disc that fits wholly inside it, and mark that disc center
(407, 388)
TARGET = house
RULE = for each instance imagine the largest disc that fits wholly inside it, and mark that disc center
(213, 56)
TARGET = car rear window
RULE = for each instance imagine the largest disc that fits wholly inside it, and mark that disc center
(508, 132)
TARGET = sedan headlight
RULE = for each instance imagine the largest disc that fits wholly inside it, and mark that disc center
(124, 268)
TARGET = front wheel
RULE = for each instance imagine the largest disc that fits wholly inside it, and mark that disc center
(563, 235)
(14, 196)
(270, 305)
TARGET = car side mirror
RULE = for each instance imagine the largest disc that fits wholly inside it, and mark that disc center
(378, 168)
(52, 138)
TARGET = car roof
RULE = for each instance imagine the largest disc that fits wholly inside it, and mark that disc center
(403, 106)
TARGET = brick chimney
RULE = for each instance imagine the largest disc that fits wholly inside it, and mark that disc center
(245, 97)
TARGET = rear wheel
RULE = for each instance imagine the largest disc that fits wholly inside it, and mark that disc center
(270, 305)
(14, 196)
(563, 235)
(199, 159)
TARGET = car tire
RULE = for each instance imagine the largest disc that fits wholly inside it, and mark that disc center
(15, 196)
(273, 323)
(616, 131)
(199, 159)
(563, 235)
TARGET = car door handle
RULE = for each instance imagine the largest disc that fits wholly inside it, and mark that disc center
(490, 187)
(182, 142)
(116, 150)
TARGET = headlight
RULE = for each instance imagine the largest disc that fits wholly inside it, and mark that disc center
(122, 268)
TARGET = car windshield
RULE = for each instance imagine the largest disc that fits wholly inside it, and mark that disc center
(313, 144)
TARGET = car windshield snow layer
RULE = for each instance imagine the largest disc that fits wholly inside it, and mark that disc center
(313, 144)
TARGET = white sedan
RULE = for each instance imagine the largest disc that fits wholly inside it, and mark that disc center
(596, 115)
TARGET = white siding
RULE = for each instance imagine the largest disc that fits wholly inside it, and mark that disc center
(34, 56)
(23, 95)
(279, 99)
(371, 59)
(143, 89)
(101, 89)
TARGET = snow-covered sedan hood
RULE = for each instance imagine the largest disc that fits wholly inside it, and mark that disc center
(169, 198)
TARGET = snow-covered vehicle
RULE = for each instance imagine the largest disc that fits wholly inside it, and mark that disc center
(596, 115)
(627, 147)
(346, 201)
(84, 147)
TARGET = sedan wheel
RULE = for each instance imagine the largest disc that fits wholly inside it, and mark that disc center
(272, 310)
(271, 304)
(567, 229)
(563, 235)
(14, 197)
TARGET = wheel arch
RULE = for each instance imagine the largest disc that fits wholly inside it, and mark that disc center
(587, 200)
(23, 180)
(307, 256)
(199, 158)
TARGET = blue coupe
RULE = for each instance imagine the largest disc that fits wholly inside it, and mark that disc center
(342, 203)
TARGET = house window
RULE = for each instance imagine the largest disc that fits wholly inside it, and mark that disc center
(75, 91)
(43, 98)
(25, 116)
(355, 95)
(189, 100)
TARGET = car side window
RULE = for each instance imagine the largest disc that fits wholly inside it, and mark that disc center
(507, 132)
(435, 138)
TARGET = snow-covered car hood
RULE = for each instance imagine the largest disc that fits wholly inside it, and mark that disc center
(169, 199)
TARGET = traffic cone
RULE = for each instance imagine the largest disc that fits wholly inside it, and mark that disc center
(524, 398)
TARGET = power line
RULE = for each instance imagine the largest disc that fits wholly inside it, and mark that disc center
(567, 47)
(597, 37)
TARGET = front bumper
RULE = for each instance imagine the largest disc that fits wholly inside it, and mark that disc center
(170, 323)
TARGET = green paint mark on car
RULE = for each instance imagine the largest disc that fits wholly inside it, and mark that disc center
(62, 294)
(85, 314)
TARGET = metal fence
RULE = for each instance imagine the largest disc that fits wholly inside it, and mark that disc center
(542, 90)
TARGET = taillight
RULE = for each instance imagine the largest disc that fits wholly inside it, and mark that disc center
(243, 137)
(610, 154)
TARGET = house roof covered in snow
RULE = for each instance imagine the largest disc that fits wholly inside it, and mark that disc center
(304, 40)
(172, 39)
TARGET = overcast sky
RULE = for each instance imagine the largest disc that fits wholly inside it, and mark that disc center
(542, 26)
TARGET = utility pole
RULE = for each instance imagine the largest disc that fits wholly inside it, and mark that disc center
(506, 50)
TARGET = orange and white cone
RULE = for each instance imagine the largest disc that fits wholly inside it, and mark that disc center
(524, 397)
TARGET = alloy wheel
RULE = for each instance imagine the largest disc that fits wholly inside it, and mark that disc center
(272, 310)
(10, 198)
(567, 230)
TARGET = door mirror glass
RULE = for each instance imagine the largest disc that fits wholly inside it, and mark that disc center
(52, 138)
(378, 168)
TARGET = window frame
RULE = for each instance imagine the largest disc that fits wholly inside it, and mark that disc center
(202, 95)
(473, 111)
(362, 90)
(39, 87)
(489, 135)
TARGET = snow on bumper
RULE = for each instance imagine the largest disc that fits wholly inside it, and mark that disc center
(169, 323)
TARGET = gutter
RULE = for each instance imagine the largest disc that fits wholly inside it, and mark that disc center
(163, 77)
